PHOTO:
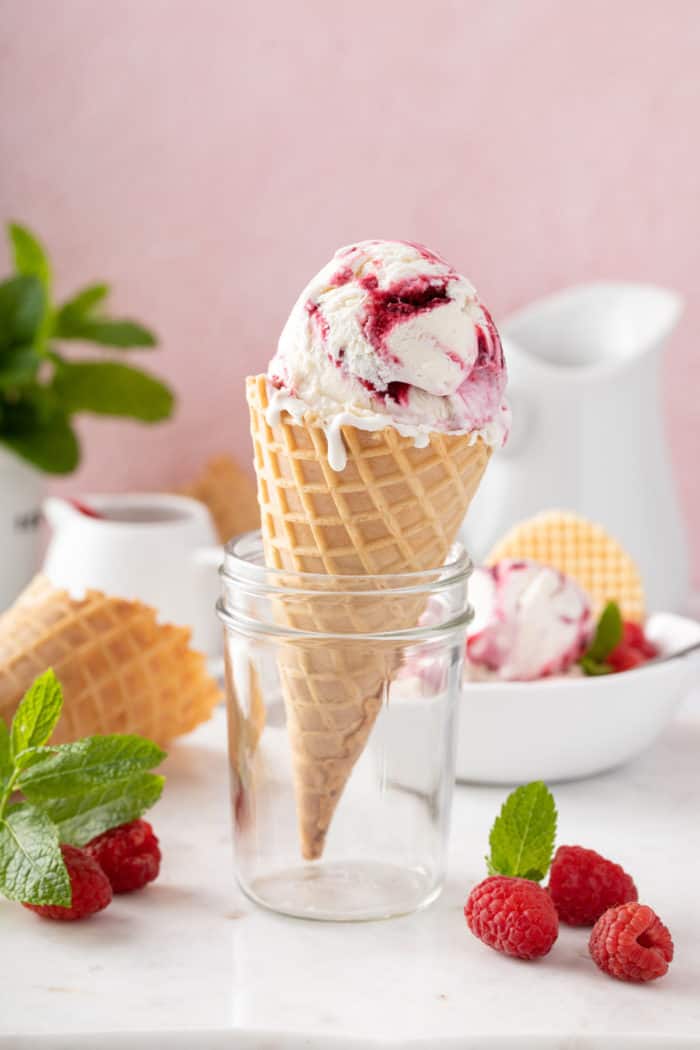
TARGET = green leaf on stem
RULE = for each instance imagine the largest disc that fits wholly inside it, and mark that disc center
(22, 306)
(122, 334)
(18, 366)
(79, 818)
(49, 444)
(112, 389)
(30, 258)
(31, 865)
(5, 753)
(593, 668)
(522, 837)
(81, 304)
(37, 714)
(72, 769)
(608, 634)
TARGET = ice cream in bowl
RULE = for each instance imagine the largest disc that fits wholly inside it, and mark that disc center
(566, 674)
(532, 621)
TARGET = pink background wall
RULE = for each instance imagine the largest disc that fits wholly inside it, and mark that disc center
(208, 155)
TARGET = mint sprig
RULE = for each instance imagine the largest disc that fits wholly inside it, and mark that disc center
(41, 389)
(37, 714)
(608, 635)
(31, 864)
(522, 837)
(72, 769)
(70, 793)
(79, 818)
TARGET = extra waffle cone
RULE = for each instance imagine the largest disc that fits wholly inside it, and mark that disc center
(393, 509)
(229, 494)
(583, 551)
(121, 671)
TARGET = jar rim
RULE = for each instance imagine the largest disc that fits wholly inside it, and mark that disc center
(246, 626)
(244, 563)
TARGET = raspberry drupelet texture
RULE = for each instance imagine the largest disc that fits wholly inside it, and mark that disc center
(583, 885)
(90, 888)
(633, 650)
(129, 855)
(631, 943)
(515, 916)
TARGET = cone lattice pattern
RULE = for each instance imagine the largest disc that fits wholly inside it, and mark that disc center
(583, 551)
(121, 671)
(394, 508)
(229, 494)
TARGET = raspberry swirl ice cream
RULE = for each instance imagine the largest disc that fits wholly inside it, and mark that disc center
(531, 621)
(388, 334)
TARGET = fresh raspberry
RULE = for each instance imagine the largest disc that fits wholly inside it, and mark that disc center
(633, 650)
(583, 885)
(129, 855)
(630, 942)
(625, 658)
(515, 916)
(634, 636)
(90, 888)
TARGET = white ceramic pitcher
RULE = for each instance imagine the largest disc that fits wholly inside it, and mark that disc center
(588, 432)
(157, 548)
(21, 492)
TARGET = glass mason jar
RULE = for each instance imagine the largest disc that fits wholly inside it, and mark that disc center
(342, 697)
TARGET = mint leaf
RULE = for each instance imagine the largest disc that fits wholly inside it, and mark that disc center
(22, 304)
(112, 389)
(5, 753)
(31, 755)
(80, 304)
(29, 256)
(31, 865)
(73, 792)
(72, 769)
(123, 335)
(79, 818)
(50, 444)
(608, 634)
(522, 837)
(37, 714)
(18, 365)
(591, 667)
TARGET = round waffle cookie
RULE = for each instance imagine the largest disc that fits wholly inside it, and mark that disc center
(582, 550)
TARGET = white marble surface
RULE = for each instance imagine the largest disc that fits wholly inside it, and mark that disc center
(191, 964)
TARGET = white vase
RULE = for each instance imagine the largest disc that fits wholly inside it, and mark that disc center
(21, 493)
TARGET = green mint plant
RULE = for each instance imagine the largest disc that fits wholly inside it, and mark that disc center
(522, 837)
(608, 635)
(69, 793)
(41, 389)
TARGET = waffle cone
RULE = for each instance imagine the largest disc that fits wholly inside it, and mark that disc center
(393, 509)
(121, 671)
(229, 494)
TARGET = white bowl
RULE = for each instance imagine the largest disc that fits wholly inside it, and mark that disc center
(566, 728)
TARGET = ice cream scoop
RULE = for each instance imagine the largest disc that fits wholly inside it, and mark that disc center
(389, 334)
(530, 621)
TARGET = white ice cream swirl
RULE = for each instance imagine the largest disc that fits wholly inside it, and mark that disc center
(388, 334)
(531, 621)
